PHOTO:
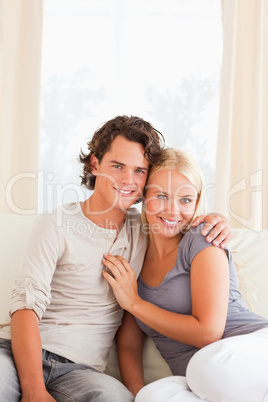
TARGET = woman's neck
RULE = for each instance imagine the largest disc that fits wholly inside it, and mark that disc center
(160, 247)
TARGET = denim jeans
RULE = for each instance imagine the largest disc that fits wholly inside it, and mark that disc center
(65, 380)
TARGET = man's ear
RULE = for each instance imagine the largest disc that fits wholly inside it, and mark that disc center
(94, 163)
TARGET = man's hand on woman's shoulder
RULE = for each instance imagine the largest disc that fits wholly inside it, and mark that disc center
(216, 229)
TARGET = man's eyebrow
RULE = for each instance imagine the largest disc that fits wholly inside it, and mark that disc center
(123, 164)
(143, 168)
(118, 163)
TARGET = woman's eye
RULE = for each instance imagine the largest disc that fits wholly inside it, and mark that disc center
(162, 197)
(186, 200)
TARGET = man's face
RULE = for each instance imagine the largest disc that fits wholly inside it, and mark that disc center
(121, 175)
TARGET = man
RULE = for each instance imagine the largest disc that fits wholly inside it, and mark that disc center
(64, 315)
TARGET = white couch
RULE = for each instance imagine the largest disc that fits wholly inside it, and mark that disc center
(251, 248)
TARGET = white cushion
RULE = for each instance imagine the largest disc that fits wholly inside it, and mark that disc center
(13, 239)
(251, 248)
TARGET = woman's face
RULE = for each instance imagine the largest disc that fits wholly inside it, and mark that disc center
(169, 202)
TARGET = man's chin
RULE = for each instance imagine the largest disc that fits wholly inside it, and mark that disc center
(125, 205)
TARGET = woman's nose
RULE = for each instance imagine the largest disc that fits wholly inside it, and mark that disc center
(173, 207)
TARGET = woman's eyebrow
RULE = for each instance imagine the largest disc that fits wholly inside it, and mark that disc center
(160, 192)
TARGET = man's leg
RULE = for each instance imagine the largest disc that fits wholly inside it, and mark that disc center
(87, 385)
(9, 381)
(67, 381)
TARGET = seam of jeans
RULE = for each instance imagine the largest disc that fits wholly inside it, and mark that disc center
(52, 368)
(59, 391)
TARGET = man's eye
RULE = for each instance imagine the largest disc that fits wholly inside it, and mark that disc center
(117, 166)
(140, 171)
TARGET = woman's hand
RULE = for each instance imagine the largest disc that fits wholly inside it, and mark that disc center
(122, 279)
(218, 228)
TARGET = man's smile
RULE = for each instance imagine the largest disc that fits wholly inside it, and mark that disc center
(124, 192)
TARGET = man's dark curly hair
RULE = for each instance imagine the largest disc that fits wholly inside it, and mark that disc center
(133, 129)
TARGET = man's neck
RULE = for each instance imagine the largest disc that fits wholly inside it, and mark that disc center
(112, 219)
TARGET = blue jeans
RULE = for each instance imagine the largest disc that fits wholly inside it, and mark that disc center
(65, 380)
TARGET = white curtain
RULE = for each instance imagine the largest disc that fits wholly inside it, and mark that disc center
(20, 66)
(241, 180)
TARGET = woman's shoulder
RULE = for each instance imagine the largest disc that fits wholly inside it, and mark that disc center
(194, 235)
(193, 242)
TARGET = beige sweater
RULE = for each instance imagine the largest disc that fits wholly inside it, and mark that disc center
(60, 278)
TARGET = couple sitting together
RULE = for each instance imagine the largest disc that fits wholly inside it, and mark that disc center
(94, 270)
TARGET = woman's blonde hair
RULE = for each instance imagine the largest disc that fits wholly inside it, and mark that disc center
(187, 166)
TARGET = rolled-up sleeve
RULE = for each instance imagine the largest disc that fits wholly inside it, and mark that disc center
(32, 289)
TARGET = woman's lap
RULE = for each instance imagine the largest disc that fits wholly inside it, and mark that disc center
(232, 369)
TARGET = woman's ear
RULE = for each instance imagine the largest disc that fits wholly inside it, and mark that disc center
(94, 163)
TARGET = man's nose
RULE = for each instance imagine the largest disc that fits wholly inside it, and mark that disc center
(128, 177)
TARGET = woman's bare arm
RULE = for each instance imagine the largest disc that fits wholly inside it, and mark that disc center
(209, 291)
(130, 340)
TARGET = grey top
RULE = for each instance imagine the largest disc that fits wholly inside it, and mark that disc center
(174, 294)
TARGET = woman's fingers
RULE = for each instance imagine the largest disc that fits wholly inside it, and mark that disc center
(110, 279)
(124, 262)
(122, 279)
(115, 264)
(112, 266)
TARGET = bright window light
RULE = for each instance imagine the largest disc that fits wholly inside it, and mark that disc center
(156, 59)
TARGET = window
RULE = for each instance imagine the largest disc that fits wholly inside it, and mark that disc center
(156, 59)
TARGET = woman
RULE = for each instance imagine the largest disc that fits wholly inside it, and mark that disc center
(187, 300)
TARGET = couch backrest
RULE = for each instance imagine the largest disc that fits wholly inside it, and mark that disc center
(251, 248)
(14, 235)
